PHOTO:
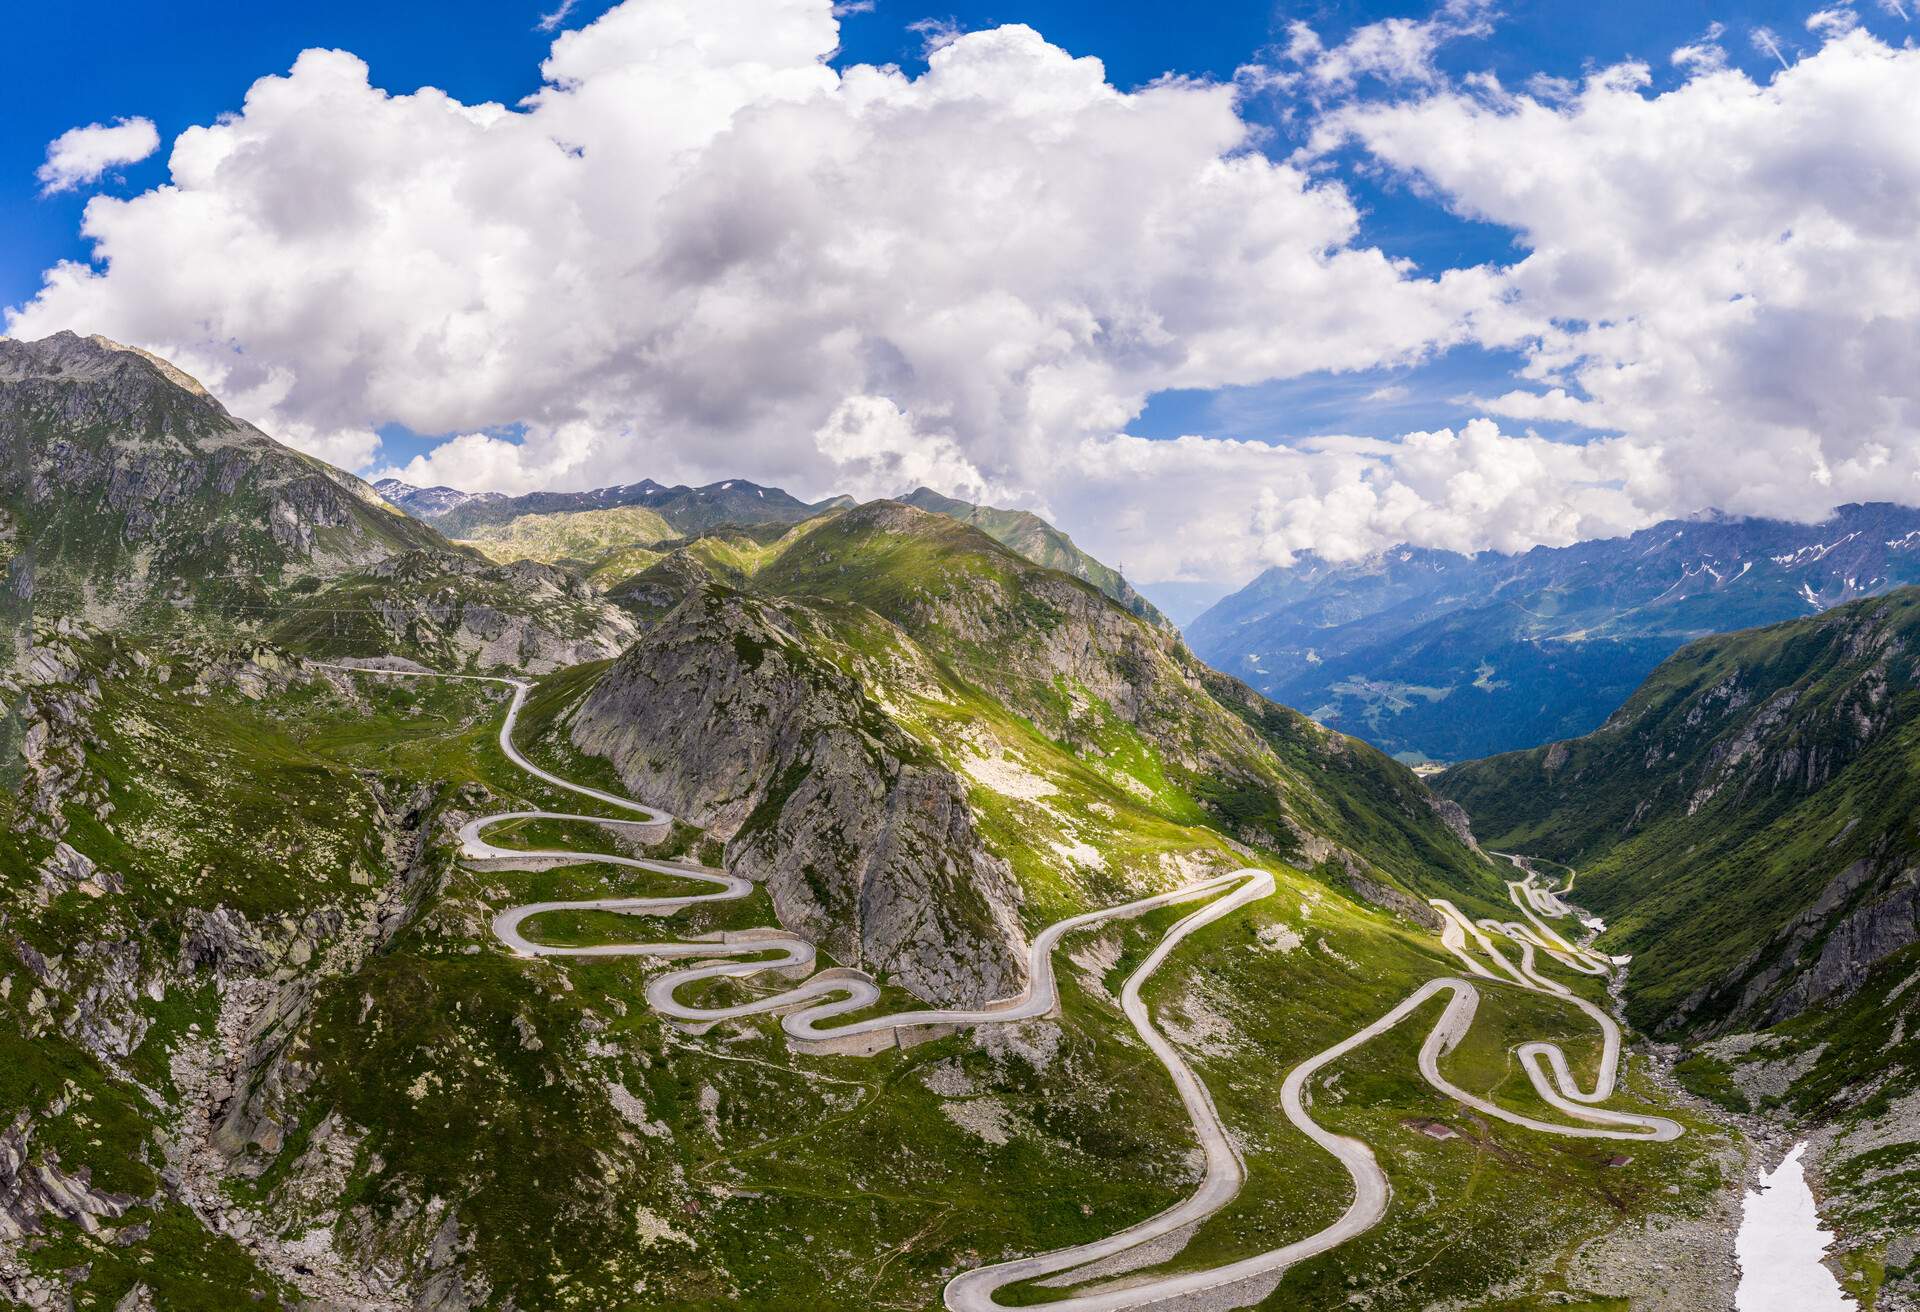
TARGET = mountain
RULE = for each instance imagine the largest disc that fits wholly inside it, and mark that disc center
(1039, 542)
(581, 537)
(430, 502)
(1435, 655)
(136, 502)
(1746, 825)
(582, 527)
(287, 1020)
(131, 496)
(686, 510)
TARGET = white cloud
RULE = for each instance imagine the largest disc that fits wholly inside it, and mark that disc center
(1223, 508)
(1554, 405)
(1724, 273)
(878, 452)
(81, 155)
(1705, 54)
(1767, 42)
(935, 33)
(1394, 50)
(700, 251)
(553, 18)
(1836, 21)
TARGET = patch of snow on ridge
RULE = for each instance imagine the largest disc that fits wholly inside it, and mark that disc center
(1780, 1247)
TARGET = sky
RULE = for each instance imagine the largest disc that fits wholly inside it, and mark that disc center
(1209, 285)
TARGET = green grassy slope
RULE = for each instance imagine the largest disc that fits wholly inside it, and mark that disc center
(1040, 542)
(1715, 817)
(581, 535)
(444, 1077)
(1748, 824)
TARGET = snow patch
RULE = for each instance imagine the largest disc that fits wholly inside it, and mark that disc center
(1780, 1247)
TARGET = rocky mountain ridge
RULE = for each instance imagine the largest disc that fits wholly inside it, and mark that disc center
(131, 493)
(1437, 655)
(429, 502)
(267, 1047)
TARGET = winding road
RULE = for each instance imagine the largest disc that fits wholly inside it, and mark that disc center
(835, 992)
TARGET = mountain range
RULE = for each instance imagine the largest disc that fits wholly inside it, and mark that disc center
(314, 995)
(1435, 655)
(599, 529)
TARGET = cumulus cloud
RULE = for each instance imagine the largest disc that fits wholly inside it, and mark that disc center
(1393, 50)
(1242, 505)
(81, 155)
(700, 251)
(1725, 271)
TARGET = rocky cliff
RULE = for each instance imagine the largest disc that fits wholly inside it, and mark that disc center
(455, 612)
(725, 713)
(848, 706)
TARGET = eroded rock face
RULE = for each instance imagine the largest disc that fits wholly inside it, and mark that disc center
(525, 616)
(724, 714)
(31, 1192)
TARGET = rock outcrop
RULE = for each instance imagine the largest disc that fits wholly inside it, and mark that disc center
(724, 714)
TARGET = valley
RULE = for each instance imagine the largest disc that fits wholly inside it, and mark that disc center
(804, 1005)
(837, 656)
(1439, 656)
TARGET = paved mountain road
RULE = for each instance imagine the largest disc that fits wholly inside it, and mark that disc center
(832, 993)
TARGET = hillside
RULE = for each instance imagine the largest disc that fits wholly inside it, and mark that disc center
(1041, 543)
(1435, 655)
(576, 536)
(608, 528)
(686, 510)
(132, 496)
(1780, 760)
(1748, 825)
(1063, 658)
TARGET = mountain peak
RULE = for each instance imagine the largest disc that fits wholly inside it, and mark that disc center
(66, 355)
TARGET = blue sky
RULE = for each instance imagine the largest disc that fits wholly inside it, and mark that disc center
(1705, 295)
(187, 63)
